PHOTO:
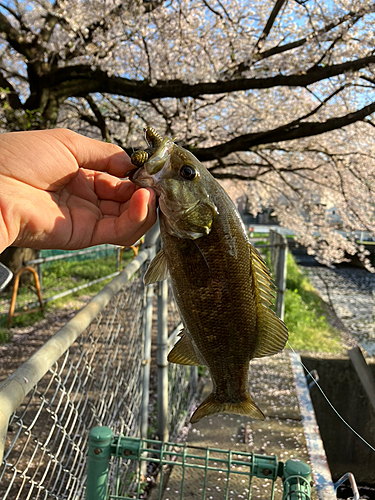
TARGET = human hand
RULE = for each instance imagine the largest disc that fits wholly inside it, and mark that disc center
(59, 189)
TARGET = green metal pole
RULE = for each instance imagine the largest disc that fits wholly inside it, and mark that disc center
(296, 480)
(100, 440)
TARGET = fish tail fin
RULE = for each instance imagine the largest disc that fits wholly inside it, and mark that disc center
(210, 406)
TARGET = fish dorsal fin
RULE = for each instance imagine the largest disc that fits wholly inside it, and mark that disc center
(157, 270)
(183, 352)
(273, 333)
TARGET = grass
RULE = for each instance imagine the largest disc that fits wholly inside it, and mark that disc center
(57, 277)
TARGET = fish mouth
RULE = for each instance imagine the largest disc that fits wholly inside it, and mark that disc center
(141, 178)
(146, 174)
(130, 173)
(158, 159)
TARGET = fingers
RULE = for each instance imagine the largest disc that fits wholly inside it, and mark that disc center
(109, 193)
(126, 229)
(93, 154)
(108, 187)
(141, 202)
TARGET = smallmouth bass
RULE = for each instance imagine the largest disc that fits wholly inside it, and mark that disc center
(221, 284)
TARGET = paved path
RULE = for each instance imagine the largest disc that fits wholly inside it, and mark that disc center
(281, 433)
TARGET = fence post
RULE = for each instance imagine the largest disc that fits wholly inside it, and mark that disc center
(162, 362)
(282, 247)
(273, 249)
(100, 440)
(150, 243)
(149, 295)
(118, 254)
(194, 378)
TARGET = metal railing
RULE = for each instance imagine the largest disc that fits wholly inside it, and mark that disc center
(352, 482)
(96, 370)
(190, 471)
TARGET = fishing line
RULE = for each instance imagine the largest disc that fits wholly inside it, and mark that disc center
(331, 405)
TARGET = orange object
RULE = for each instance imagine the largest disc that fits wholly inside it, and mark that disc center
(12, 314)
(135, 249)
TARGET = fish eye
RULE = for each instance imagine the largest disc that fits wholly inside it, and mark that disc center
(188, 172)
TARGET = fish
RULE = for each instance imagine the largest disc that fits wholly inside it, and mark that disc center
(222, 286)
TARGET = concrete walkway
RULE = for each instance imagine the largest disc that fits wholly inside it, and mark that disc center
(281, 433)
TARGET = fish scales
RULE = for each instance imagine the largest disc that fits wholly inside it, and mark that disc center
(215, 298)
(220, 283)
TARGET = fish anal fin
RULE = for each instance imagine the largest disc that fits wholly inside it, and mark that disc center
(157, 270)
(183, 352)
(210, 406)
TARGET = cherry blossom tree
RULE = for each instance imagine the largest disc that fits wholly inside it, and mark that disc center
(275, 96)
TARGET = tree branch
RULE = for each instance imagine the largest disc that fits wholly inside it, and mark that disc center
(284, 133)
(49, 24)
(14, 37)
(82, 80)
(353, 17)
(271, 20)
(12, 97)
(100, 120)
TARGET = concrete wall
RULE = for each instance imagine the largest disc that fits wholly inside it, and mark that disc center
(345, 451)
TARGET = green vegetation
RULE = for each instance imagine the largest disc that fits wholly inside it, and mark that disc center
(304, 314)
(58, 277)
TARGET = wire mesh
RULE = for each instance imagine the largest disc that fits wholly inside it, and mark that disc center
(191, 472)
(91, 253)
(182, 392)
(182, 380)
(96, 382)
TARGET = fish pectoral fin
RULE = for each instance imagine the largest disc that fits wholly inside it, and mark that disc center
(273, 333)
(183, 352)
(210, 406)
(157, 270)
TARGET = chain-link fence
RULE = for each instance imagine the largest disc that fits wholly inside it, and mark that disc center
(183, 388)
(91, 372)
(182, 380)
